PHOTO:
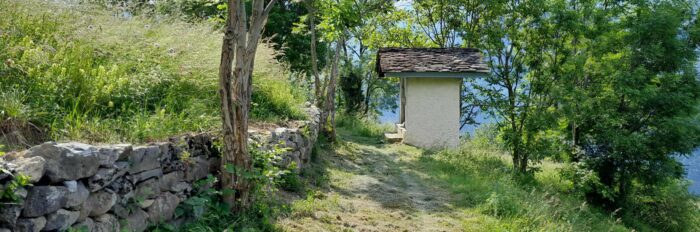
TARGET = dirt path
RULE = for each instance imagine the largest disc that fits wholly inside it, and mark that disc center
(375, 187)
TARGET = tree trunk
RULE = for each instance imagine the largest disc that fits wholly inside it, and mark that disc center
(368, 95)
(330, 96)
(235, 79)
(314, 56)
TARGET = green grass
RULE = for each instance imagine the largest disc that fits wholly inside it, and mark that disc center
(481, 177)
(478, 177)
(363, 127)
(83, 72)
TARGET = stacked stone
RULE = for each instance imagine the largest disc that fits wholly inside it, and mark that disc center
(123, 187)
(298, 141)
(105, 188)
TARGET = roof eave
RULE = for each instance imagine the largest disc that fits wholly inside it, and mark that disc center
(466, 74)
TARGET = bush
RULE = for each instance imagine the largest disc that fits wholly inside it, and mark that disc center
(274, 100)
(291, 182)
(500, 205)
(362, 127)
(480, 174)
(665, 207)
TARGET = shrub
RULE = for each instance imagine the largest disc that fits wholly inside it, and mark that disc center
(665, 207)
(362, 127)
(274, 100)
(291, 182)
(500, 205)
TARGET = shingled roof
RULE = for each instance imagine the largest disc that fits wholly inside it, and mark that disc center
(449, 60)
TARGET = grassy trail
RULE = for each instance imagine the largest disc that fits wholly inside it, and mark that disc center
(371, 186)
(377, 187)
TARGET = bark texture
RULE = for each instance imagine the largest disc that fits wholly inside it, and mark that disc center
(235, 78)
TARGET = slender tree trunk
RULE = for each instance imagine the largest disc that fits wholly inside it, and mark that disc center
(330, 96)
(368, 95)
(235, 79)
(314, 56)
(227, 95)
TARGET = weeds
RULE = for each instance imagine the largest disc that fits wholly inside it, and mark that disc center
(362, 127)
(479, 173)
(84, 72)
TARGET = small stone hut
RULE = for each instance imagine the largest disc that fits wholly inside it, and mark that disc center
(430, 91)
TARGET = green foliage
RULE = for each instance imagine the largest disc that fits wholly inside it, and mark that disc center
(291, 182)
(211, 214)
(8, 192)
(612, 88)
(292, 47)
(274, 100)
(314, 202)
(500, 205)
(95, 77)
(361, 126)
(12, 106)
(196, 206)
(190, 9)
(666, 206)
(479, 174)
(351, 87)
(635, 113)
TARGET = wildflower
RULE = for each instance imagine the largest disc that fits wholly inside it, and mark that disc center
(147, 26)
(171, 51)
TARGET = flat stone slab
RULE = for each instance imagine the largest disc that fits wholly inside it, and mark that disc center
(393, 137)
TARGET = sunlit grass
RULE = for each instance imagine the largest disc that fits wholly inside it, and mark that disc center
(363, 127)
(480, 175)
(83, 72)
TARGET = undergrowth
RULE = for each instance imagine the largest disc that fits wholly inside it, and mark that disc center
(86, 72)
(362, 126)
(480, 174)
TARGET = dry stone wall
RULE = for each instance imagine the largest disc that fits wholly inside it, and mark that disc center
(124, 187)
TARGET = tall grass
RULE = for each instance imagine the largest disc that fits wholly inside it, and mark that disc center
(83, 72)
(362, 126)
(479, 173)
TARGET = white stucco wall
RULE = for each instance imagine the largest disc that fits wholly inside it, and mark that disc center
(432, 112)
